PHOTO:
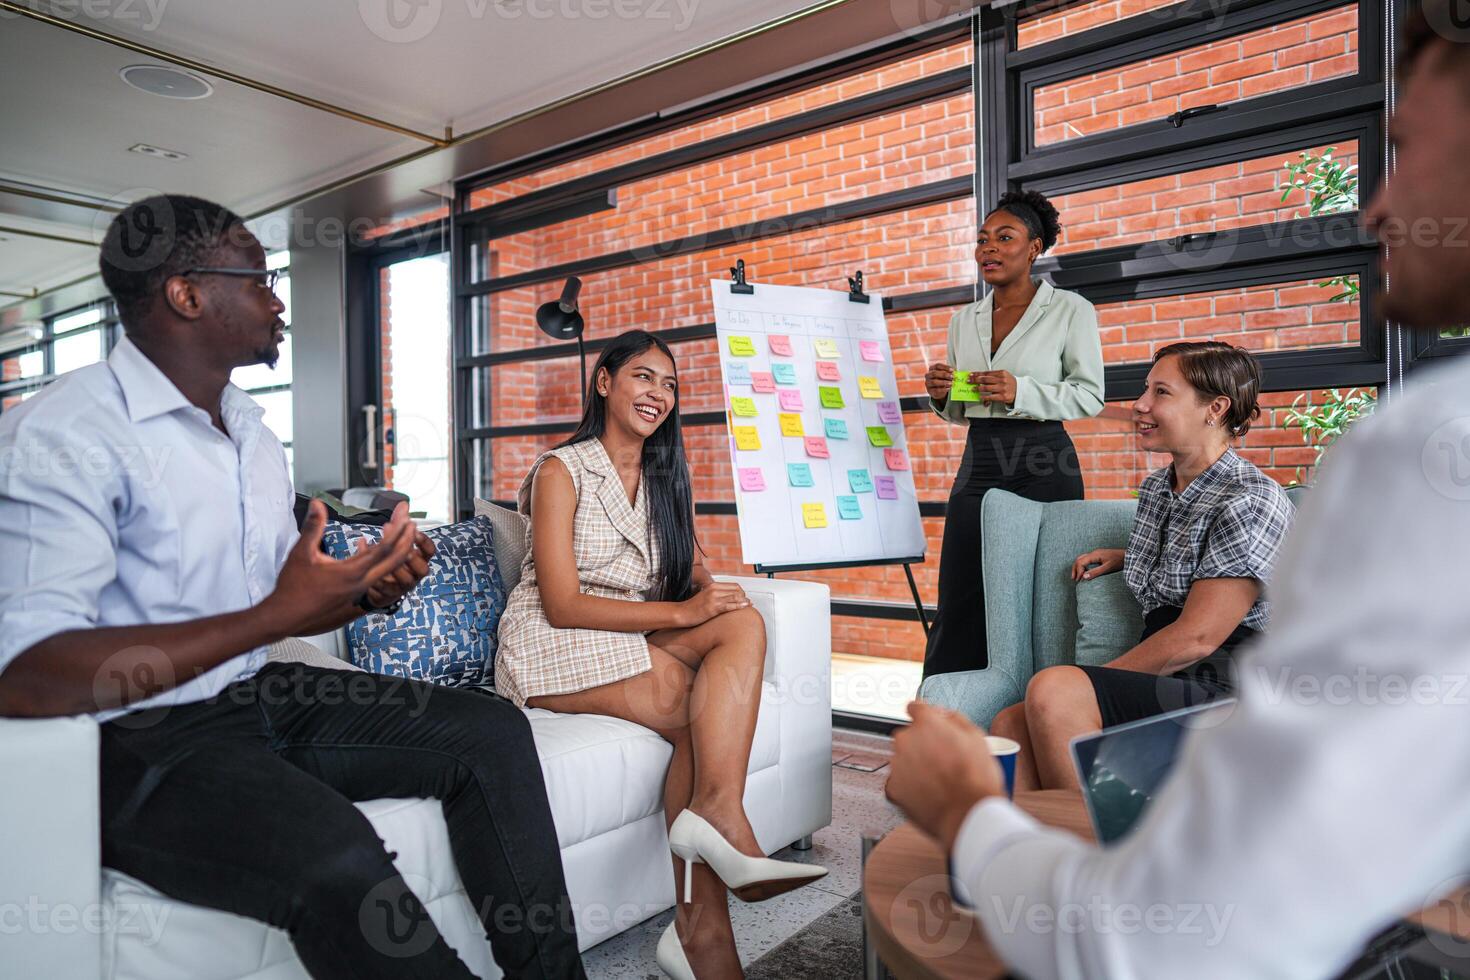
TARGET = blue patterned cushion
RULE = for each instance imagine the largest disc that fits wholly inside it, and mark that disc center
(445, 630)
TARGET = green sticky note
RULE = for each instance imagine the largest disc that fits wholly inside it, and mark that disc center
(836, 428)
(785, 373)
(799, 474)
(742, 347)
(849, 509)
(859, 481)
(878, 435)
(831, 397)
(963, 389)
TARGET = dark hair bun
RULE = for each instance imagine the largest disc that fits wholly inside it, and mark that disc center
(1036, 212)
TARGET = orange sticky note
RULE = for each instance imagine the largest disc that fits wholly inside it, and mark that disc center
(816, 446)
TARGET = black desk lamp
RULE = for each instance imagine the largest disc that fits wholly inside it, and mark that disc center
(561, 320)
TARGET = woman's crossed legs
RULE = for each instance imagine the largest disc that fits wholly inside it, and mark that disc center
(702, 695)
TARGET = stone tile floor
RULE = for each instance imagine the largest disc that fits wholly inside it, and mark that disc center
(858, 807)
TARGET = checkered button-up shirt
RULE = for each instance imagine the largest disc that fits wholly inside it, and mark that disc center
(1228, 523)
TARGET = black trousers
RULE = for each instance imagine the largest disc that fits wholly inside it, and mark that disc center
(1129, 695)
(244, 803)
(1033, 459)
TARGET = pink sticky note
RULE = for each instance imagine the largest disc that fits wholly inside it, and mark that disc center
(827, 371)
(751, 479)
(790, 400)
(780, 346)
(870, 350)
(816, 446)
(887, 412)
(762, 381)
(896, 459)
(887, 487)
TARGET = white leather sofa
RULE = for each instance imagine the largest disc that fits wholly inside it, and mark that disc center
(62, 915)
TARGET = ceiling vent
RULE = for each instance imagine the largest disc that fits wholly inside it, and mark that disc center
(157, 151)
(170, 83)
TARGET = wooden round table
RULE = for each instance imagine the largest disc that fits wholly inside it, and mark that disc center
(910, 918)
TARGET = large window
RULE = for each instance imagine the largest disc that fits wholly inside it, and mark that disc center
(1207, 189)
(32, 357)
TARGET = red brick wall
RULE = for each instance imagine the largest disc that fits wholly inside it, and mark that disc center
(922, 249)
(1309, 49)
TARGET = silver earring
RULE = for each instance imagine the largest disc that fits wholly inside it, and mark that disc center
(1209, 421)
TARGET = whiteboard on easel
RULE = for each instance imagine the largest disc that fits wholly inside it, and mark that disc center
(818, 452)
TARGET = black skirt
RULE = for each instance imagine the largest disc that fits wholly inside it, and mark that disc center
(1033, 459)
(1128, 695)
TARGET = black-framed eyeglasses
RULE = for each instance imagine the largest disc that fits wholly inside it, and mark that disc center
(267, 277)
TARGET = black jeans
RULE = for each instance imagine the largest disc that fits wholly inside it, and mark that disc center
(244, 803)
(1033, 459)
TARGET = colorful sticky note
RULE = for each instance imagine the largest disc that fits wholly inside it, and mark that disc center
(888, 412)
(816, 446)
(762, 382)
(963, 389)
(827, 371)
(799, 474)
(849, 509)
(780, 346)
(746, 437)
(831, 397)
(887, 487)
(791, 424)
(737, 372)
(790, 400)
(814, 515)
(836, 428)
(826, 347)
(871, 350)
(743, 406)
(859, 481)
(752, 479)
(742, 347)
(785, 373)
(896, 459)
(878, 436)
(869, 388)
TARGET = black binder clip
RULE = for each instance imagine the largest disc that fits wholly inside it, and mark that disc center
(855, 292)
(737, 272)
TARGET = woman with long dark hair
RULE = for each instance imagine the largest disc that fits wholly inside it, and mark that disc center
(615, 614)
(1033, 358)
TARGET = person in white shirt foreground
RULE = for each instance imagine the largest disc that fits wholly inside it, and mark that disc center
(1335, 798)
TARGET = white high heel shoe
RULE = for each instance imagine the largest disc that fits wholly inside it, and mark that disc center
(670, 955)
(752, 879)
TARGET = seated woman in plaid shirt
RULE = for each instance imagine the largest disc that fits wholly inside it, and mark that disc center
(1203, 542)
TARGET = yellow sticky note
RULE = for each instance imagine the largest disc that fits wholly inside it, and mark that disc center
(743, 406)
(869, 387)
(791, 424)
(742, 347)
(746, 437)
(826, 347)
(814, 515)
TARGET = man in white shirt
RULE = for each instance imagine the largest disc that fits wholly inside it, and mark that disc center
(1336, 796)
(150, 555)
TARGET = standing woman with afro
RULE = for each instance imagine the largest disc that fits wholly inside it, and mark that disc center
(1034, 354)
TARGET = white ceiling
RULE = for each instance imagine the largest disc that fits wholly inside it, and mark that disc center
(67, 119)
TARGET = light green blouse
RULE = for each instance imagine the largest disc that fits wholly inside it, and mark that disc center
(1054, 352)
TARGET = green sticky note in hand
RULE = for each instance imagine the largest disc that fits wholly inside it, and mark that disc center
(831, 397)
(878, 436)
(963, 388)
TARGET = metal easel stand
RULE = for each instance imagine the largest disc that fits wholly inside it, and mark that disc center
(769, 571)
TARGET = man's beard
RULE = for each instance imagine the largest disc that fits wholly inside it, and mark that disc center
(268, 355)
